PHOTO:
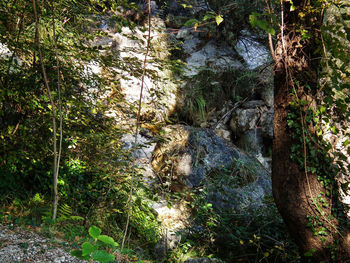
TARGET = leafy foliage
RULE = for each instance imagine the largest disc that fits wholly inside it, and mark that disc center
(263, 24)
(94, 250)
(94, 178)
(238, 236)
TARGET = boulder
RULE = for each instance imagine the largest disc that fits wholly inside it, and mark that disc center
(197, 158)
(193, 152)
(202, 163)
(250, 116)
(190, 45)
(247, 199)
(185, 33)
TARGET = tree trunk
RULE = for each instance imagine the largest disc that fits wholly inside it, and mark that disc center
(295, 190)
(46, 82)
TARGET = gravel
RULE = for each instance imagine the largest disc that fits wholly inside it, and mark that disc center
(18, 245)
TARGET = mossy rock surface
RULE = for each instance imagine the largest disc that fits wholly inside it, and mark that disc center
(197, 158)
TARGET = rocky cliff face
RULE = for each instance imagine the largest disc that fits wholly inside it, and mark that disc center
(223, 91)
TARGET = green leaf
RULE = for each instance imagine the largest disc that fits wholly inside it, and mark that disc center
(107, 240)
(253, 19)
(186, 6)
(208, 16)
(323, 231)
(309, 253)
(191, 22)
(88, 248)
(334, 129)
(77, 218)
(79, 254)
(271, 31)
(94, 231)
(219, 19)
(322, 109)
(102, 256)
(263, 24)
(292, 6)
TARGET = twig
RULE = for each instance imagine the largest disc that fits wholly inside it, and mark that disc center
(138, 119)
(272, 51)
(228, 114)
(16, 128)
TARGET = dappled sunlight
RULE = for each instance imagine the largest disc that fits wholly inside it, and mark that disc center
(151, 125)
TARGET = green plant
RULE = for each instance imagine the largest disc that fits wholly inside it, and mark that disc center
(238, 237)
(94, 250)
(184, 251)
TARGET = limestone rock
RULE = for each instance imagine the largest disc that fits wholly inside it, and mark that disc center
(267, 95)
(253, 53)
(7, 54)
(173, 220)
(196, 156)
(193, 152)
(244, 119)
(184, 33)
(143, 154)
(223, 134)
(129, 45)
(217, 56)
(190, 45)
(266, 124)
(251, 141)
(252, 104)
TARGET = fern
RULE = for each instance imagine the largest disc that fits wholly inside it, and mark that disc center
(65, 213)
(64, 210)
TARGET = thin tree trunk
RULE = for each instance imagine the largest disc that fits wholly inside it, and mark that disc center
(60, 113)
(55, 157)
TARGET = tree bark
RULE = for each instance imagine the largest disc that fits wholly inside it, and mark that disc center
(294, 189)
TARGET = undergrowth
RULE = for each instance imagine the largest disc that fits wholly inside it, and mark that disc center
(205, 92)
(235, 237)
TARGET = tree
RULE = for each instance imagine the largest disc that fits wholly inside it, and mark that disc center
(304, 188)
(47, 43)
(56, 154)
